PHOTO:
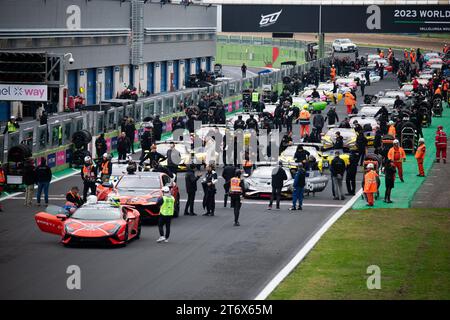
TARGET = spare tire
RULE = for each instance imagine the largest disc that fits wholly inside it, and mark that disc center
(81, 138)
(19, 153)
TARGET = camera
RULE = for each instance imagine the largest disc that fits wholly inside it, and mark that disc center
(71, 60)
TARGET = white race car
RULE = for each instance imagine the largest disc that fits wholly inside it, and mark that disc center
(361, 75)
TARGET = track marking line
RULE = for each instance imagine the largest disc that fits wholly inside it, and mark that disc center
(56, 198)
(286, 270)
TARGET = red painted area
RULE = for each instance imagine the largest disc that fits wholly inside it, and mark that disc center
(275, 54)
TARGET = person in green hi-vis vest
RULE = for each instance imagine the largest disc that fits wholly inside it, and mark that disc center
(167, 203)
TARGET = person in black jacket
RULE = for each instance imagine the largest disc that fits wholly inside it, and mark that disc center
(29, 179)
(43, 177)
(191, 188)
(154, 156)
(227, 173)
(130, 129)
(147, 139)
(209, 186)
(332, 116)
(100, 145)
(123, 147)
(299, 187)
(339, 141)
(350, 177)
(318, 123)
(173, 159)
(239, 123)
(361, 144)
(389, 178)
(74, 197)
(300, 155)
(157, 128)
(278, 178)
(337, 169)
(377, 143)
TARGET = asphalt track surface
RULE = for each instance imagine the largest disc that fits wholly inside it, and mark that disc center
(206, 257)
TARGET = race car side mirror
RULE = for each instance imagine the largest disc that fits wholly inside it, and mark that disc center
(61, 216)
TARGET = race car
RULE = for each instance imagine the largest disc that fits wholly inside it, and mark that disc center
(346, 83)
(373, 77)
(368, 124)
(313, 105)
(185, 155)
(141, 190)
(432, 61)
(349, 136)
(287, 156)
(328, 155)
(209, 129)
(395, 93)
(323, 158)
(258, 184)
(381, 61)
(372, 57)
(431, 55)
(407, 88)
(93, 223)
(327, 88)
(308, 92)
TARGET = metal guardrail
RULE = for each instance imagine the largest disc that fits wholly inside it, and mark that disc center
(42, 137)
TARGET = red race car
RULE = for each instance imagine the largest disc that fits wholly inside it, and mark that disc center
(98, 223)
(142, 191)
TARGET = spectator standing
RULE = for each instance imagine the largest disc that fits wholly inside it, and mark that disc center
(337, 169)
(29, 180)
(299, 188)
(123, 147)
(43, 178)
(278, 178)
(191, 189)
(244, 70)
(130, 130)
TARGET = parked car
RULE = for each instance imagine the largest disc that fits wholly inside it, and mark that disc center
(343, 45)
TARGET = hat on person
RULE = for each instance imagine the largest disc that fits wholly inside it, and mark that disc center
(370, 166)
(391, 122)
(165, 189)
(395, 141)
(421, 140)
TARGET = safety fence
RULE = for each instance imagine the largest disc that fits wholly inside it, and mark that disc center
(259, 51)
(53, 141)
(262, 41)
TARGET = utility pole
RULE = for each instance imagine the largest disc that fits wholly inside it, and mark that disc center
(321, 37)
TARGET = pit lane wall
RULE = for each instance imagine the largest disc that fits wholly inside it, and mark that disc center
(59, 156)
(258, 51)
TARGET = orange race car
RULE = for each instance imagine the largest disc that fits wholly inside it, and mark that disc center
(141, 190)
(93, 223)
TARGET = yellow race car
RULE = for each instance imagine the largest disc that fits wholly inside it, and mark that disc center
(349, 136)
(181, 147)
(323, 158)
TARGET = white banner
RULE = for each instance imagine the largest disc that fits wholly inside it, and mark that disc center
(23, 92)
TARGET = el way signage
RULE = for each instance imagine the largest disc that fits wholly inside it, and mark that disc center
(333, 19)
(22, 92)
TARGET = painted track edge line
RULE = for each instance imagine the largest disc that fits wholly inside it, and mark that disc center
(287, 269)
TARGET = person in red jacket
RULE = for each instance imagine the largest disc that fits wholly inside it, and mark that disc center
(441, 145)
